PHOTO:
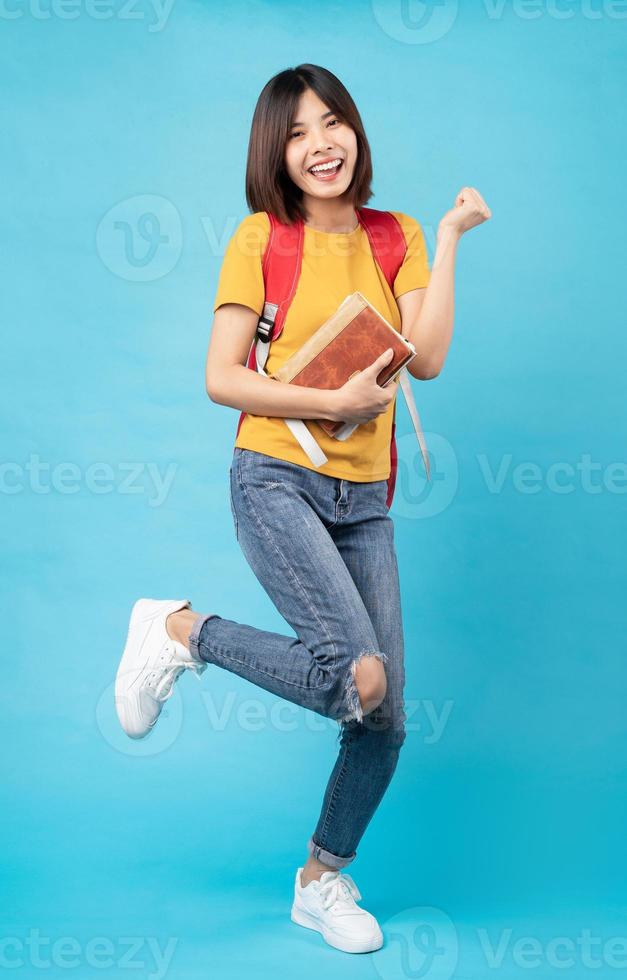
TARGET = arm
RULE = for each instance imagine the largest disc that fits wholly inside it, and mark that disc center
(229, 382)
(427, 314)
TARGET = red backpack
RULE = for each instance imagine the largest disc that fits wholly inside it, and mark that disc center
(281, 268)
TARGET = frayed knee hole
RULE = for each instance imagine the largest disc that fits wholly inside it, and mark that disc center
(365, 695)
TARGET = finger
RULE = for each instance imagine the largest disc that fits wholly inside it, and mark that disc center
(391, 389)
(475, 200)
(466, 196)
(484, 211)
(381, 361)
(483, 207)
(480, 202)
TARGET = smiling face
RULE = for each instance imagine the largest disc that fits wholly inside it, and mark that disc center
(319, 136)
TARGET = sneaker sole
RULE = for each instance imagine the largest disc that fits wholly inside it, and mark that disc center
(302, 918)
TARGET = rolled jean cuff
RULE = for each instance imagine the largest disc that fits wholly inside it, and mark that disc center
(327, 857)
(194, 636)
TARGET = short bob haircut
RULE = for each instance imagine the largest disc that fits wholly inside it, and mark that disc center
(268, 185)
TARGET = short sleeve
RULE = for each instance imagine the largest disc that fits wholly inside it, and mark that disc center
(414, 272)
(241, 276)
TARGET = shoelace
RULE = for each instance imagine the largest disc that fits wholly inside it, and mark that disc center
(339, 887)
(171, 671)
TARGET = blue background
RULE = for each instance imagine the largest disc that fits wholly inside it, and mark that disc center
(513, 816)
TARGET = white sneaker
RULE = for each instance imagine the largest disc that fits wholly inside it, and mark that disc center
(329, 907)
(150, 665)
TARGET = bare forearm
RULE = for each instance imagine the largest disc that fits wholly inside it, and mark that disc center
(255, 393)
(432, 331)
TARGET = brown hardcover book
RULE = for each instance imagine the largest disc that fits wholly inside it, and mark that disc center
(349, 341)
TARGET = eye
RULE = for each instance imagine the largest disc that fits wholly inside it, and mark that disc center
(299, 132)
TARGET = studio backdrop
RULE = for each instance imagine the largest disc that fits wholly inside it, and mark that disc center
(499, 849)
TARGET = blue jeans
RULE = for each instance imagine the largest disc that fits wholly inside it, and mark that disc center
(323, 550)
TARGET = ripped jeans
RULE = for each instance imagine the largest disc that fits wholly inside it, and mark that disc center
(323, 550)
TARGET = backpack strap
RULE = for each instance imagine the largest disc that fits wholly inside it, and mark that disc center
(281, 265)
(387, 240)
(282, 261)
(388, 246)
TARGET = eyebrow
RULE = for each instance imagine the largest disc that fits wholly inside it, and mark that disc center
(323, 116)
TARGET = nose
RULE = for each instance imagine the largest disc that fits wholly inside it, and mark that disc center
(321, 142)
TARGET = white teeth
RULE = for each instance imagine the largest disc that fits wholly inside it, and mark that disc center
(325, 166)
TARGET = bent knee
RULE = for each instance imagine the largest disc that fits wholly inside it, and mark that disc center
(370, 681)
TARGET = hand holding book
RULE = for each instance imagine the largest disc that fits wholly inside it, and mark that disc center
(344, 346)
(361, 398)
(349, 355)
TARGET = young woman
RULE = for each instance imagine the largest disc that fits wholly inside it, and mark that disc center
(319, 539)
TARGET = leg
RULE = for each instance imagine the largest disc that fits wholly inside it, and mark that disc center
(369, 747)
(370, 680)
(281, 527)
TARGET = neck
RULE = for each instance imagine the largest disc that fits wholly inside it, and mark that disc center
(334, 216)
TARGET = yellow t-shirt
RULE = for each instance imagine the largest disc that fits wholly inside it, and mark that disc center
(334, 265)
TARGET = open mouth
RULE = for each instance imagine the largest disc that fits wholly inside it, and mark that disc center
(327, 173)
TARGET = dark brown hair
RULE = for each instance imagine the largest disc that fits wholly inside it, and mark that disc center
(268, 184)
